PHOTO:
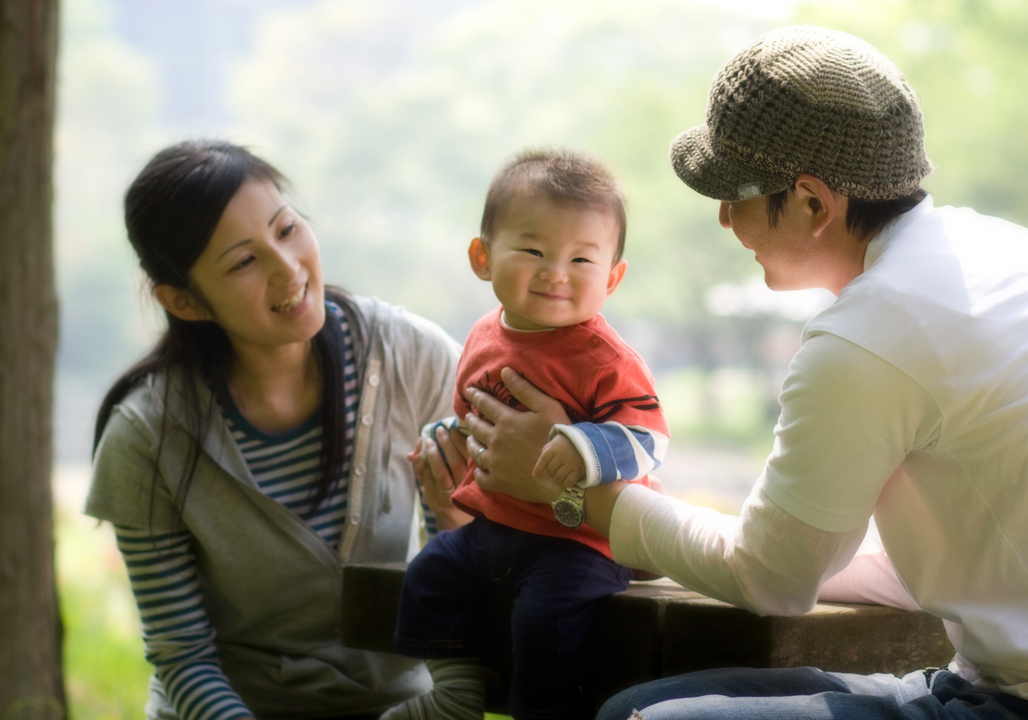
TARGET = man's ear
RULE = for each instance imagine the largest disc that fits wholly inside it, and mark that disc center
(180, 303)
(617, 274)
(479, 257)
(819, 202)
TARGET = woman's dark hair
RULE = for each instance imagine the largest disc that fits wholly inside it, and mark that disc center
(864, 218)
(171, 211)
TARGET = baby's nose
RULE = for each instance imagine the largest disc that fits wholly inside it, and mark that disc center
(555, 273)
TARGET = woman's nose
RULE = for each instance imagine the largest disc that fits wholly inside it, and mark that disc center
(286, 265)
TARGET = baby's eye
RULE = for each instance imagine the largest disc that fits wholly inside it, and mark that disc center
(532, 251)
(581, 260)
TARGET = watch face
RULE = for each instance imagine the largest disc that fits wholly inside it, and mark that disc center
(567, 512)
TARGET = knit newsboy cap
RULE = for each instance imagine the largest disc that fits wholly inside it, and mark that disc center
(806, 100)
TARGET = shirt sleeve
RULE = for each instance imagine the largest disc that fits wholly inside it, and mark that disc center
(627, 437)
(869, 579)
(848, 420)
(613, 451)
(177, 634)
(436, 368)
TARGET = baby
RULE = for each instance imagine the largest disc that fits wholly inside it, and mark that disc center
(552, 235)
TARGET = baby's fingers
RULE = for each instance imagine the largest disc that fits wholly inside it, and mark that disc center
(541, 465)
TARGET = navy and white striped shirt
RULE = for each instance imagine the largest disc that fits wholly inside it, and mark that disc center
(177, 633)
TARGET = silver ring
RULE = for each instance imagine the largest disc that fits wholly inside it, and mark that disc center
(478, 457)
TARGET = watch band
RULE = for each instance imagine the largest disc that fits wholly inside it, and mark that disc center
(568, 508)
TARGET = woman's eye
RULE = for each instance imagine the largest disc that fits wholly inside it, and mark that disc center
(245, 262)
(287, 230)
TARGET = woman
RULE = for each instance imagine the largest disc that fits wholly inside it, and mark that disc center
(259, 447)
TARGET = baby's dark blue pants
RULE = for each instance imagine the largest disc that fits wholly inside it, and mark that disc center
(555, 583)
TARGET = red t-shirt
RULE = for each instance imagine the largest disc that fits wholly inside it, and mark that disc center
(594, 374)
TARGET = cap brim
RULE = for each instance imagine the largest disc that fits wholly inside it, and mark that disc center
(714, 175)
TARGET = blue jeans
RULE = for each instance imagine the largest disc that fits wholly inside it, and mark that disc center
(811, 694)
(555, 583)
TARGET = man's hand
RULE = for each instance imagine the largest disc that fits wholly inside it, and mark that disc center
(436, 472)
(561, 461)
(505, 442)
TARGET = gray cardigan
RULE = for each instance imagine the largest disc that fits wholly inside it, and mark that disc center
(271, 586)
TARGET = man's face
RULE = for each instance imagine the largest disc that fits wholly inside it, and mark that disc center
(787, 253)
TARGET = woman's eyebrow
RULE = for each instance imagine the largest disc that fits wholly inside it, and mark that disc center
(276, 215)
(233, 247)
(243, 242)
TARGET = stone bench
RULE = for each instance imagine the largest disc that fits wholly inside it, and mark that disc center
(656, 629)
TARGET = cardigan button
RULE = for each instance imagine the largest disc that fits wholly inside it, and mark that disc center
(367, 419)
(359, 471)
(355, 519)
(373, 380)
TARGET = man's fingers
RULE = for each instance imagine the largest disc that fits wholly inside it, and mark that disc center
(525, 392)
(487, 405)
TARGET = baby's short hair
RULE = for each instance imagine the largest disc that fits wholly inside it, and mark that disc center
(562, 176)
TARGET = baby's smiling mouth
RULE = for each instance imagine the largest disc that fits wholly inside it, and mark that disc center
(292, 302)
(550, 296)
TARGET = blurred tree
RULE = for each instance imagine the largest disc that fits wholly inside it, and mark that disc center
(394, 116)
(31, 680)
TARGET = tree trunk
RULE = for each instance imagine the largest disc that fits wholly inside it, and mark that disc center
(31, 680)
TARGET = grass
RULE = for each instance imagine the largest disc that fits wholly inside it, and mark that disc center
(104, 669)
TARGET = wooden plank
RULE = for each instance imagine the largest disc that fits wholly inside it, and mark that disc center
(656, 629)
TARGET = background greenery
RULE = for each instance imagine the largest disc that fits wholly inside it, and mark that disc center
(391, 117)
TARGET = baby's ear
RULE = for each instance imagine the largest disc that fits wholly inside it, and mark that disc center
(617, 274)
(478, 254)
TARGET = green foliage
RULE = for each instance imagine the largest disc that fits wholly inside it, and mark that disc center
(104, 667)
(394, 157)
(726, 406)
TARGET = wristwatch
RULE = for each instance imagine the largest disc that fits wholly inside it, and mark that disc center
(568, 508)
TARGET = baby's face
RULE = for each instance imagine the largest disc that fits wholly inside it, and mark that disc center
(551, 265)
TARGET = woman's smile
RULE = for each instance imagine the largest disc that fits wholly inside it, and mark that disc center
(291, 303)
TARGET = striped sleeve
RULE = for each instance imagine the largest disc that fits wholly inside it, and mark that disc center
(177, 634)
(613, 451)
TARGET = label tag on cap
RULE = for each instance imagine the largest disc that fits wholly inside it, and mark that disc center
(749, 190)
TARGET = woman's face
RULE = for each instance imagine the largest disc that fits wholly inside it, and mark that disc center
(260, 274)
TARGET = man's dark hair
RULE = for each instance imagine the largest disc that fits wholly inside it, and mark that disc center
(563, 176)
(864, 218)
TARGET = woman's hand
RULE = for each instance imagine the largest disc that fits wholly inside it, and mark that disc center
(440, 473)
(506, 443)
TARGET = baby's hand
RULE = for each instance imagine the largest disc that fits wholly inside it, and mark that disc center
(561, 461)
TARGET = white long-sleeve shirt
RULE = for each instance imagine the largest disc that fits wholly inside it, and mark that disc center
(908, 400)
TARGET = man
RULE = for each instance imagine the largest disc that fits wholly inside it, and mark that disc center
(908, 399)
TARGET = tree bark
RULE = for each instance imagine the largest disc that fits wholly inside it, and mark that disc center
(31, 679)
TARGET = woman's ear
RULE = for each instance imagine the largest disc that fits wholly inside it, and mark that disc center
(478, 254)
(181, 303)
